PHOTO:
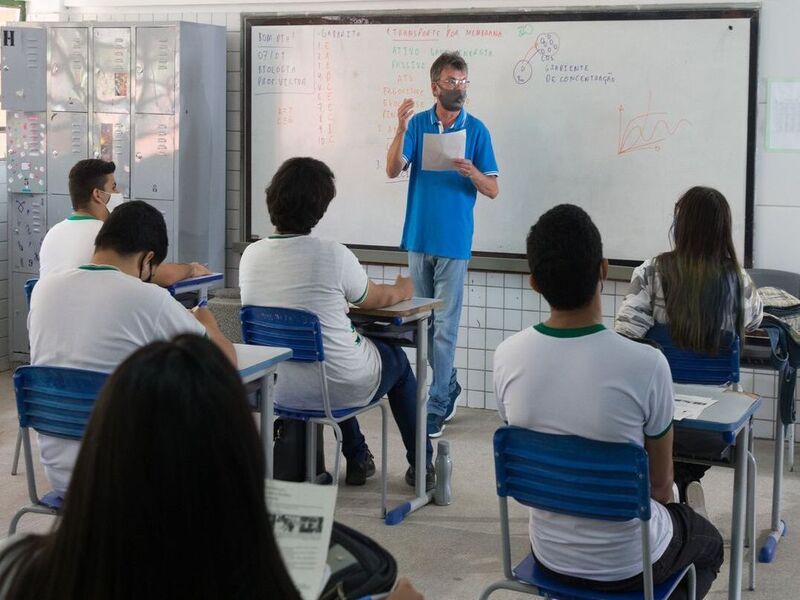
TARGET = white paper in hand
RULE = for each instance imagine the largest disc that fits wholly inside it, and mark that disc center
(440, 149)
(301, 515)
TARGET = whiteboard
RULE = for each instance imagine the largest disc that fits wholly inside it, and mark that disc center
(617, 115)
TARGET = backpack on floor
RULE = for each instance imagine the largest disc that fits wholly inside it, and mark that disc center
(289, 451)
(359, 566)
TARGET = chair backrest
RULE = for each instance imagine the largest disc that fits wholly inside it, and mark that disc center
(284, 327)
(572, 475)
(56, 401)
(785, 280)
(29, 289)
(696, 367)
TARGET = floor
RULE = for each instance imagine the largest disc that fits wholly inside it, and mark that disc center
(452, 552)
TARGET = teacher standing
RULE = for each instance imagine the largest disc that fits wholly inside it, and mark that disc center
(439, 222)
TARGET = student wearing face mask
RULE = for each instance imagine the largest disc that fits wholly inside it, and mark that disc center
(439, 221)
(70, 243)
(94, 316)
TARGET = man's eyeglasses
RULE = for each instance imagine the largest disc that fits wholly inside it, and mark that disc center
(452, 83)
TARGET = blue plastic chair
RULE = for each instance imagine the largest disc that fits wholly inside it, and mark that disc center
(300, 330)
(54, 401)
(574, 476)
(695, 367)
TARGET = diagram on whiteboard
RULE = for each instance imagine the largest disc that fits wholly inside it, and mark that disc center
(647, 130)
(546, 47)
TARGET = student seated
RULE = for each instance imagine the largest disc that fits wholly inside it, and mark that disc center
(93, 316)
(572, 376)
(292, 269)
(70, 243)
(701, 293)
(167, 498)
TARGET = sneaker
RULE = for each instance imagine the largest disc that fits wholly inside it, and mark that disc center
(452, 403)
(358, 472)
(435, 425)
(695, 498)
(430, 477)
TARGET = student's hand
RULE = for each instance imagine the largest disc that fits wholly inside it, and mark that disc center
(405, 286)
(204, 315)
(198, 270)
(405, 591)
(404, 113)
(464, 167)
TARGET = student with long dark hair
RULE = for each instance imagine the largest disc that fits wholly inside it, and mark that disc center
(698, 289)
(167, 496)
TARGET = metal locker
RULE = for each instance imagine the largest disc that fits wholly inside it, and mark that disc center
(112, 141)
(155, 70)
(26, 143)
(154, 162)
(112, 69)
(168, 210)
(23, 66)
(58, 208)
(19, 313)
(26, 216)
(68, 142)
(68, 57)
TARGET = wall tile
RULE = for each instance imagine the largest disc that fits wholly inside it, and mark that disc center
(494, 297)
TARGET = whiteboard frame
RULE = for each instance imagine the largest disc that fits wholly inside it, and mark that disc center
(498, 261)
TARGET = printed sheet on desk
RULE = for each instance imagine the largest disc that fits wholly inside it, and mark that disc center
(690, 407)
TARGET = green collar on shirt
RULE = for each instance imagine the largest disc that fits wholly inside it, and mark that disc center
(82, 218)
(280, 236)
(98, 268)
(568, 332)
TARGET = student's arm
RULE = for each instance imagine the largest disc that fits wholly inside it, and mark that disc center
(753, 304)
(486, 184)
(635, 316)
(214, 333)
(661, 475)
(394, 157)
(169, 273)
(404, 591)
(381, 295)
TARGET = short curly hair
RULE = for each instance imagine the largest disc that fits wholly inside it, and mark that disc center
(564, 255)
(299, 194)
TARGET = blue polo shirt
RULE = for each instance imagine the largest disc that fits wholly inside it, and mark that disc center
(439, 218)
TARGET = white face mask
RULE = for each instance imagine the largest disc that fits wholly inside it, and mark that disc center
(114, 200)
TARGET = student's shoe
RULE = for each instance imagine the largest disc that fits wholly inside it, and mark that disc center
(452, 404)
(430, 477)
(435, 425)
(358, 472)
(696, 499)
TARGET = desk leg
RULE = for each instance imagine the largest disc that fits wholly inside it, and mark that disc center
(777, 527)
(738, 515)
(421, 497)
(267, 414)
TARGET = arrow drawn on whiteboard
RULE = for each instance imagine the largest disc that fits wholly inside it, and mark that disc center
(646, 131)
(546, 46)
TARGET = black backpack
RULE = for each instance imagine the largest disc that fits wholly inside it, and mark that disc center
(359, 566)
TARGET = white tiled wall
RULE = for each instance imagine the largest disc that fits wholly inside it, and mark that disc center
(3, 269)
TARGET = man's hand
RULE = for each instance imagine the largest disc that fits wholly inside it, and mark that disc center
(197, 270)
(464, 167)
(405, 286)
(404, 113)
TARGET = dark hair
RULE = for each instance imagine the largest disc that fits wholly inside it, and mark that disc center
(87, 176)
(133, 227)
(701, 277)
(167, 495)
(447, 59)
(564, 255)
(299, 194)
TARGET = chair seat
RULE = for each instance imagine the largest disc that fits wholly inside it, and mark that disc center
(304, 415)
(530, 572)
(52, 500)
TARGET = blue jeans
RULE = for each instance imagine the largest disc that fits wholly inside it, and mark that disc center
(398, 381)
(441, 278)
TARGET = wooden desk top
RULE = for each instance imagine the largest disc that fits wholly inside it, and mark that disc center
(406, 308)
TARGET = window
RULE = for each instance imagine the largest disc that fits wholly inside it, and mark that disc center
(11, 11)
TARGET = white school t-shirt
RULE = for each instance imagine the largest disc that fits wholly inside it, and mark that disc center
(68, 244)
(593, 383)
(322, 277)
(93, 317)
